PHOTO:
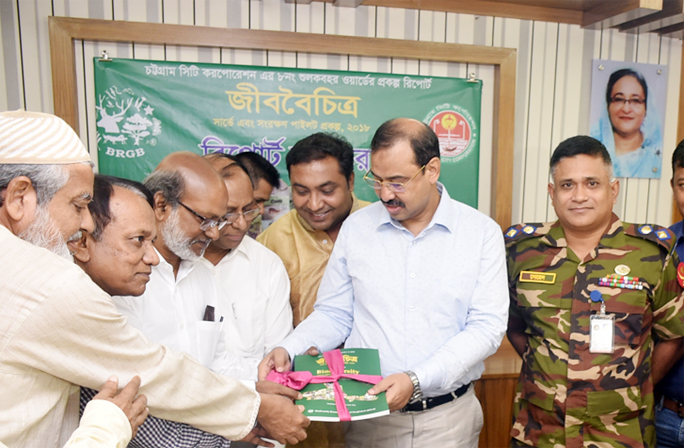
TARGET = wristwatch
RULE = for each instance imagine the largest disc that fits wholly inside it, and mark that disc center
(417, 391)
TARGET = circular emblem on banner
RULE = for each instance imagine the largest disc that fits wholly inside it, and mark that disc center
(125, 123)
(455, 129)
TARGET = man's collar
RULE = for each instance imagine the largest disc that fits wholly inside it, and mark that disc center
(446, 214)
(678, 229)
(613, 237)
(186, 266)
(241, 249)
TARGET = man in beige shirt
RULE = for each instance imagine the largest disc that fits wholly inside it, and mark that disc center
(60, 330)
(321, 169)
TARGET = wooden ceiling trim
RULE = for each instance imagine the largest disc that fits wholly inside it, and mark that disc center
(486, 8)
(609, 14)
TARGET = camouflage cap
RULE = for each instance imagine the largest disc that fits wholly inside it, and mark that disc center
(38, 138)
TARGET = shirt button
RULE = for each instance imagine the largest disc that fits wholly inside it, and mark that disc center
(413, 275)
(411, 342)
(415, 242)
(325, 241)
(411, 308)
(182, 326)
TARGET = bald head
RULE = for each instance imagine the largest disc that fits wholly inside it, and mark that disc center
(190, 199)
(422, 139)
(196, 174)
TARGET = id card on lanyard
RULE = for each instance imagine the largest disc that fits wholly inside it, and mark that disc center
(601, 328)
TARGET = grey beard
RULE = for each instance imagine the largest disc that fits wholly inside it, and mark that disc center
(43, 232)
(176, 240)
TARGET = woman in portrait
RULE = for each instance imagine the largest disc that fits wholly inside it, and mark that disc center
(630, 126)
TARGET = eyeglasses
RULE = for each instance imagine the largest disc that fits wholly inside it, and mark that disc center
(397, 187)
(205, 223)
(249, 215)
(634, 102)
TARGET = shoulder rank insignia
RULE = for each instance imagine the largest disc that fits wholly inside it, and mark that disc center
(520, 232)
(511, 232)
(652, 232)
(645, 229)
(662, 235)
(548, 278)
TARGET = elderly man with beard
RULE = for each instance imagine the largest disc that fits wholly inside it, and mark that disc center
(178, 308)
(60, 330)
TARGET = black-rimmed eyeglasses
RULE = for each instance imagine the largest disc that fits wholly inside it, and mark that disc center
(206, 223)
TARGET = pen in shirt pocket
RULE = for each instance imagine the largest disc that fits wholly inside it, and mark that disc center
(234, 312)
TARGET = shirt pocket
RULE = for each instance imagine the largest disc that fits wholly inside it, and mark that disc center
(544, 308)
(628, 307)
(541, 395)
(208, 334)
(625, 401)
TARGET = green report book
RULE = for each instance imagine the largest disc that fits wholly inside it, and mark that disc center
(319, 399)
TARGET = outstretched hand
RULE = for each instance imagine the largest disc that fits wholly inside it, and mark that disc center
(278, 359)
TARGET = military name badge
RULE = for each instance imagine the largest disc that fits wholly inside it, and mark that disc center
(601, 328)
(537, 277)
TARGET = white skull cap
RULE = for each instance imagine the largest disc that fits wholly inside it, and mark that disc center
(38, 138)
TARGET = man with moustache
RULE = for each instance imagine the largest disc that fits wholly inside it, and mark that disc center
(421, 278)
(254, 290)
(60, 330)
(321, 169)
(587, 294)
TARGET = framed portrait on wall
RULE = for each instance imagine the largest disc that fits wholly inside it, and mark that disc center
(627, 105)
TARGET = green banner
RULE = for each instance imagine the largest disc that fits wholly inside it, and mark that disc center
(148, 109)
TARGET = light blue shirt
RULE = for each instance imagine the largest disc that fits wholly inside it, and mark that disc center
(436, 303)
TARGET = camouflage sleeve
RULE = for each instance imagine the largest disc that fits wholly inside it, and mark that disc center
(668, 302)
(515, 320)
(516, 331)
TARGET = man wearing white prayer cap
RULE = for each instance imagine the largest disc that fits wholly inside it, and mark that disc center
(59, 330)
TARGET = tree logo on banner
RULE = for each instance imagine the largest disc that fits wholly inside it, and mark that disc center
(126, 123)
(455, 129)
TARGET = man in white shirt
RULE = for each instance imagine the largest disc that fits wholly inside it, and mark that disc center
(178, 308)
(254, 289)
(60, 330)
(119, 256)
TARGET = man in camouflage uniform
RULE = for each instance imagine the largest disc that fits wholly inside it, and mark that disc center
(567, 395)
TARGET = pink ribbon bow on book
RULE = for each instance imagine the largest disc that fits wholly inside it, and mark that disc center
(335, 361)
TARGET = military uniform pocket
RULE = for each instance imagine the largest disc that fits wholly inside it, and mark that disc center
(538, 394)
(626, 401)
(628, 309)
